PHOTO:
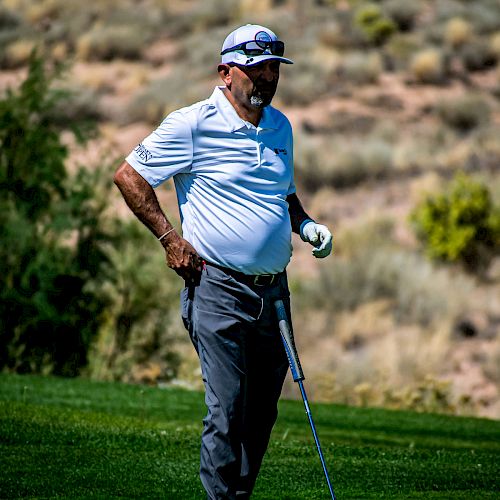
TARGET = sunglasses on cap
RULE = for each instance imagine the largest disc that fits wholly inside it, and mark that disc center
(258, 47)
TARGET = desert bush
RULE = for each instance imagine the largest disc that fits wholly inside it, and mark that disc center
(142, 317)
(303, 88)
(9, 19)
(477, 56)
(339, 163)
(494, 47)
(163, 96)
(457, 32)
(330, 34)
(448, 9)
(403, 12)
(17, 54)
(369, 266)
(361, 68)
(428, 395)
(43, 10)
(460, 225)
(110, 42)
(200, 55)
(401, 48)
(343, 29)
(66, 21)
(81, 106)
(484, 15)
(427, 66)
(59, 52)
(213, 13)
(312, 74)
(375, 26)
(464, 113)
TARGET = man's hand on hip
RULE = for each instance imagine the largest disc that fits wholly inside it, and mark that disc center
(317, 235)
(182, 257)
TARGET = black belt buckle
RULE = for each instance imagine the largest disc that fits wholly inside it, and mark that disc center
(264, 279)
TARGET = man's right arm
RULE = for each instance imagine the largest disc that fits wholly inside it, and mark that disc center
(141, 199)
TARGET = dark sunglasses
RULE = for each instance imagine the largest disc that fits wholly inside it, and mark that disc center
(257, 48)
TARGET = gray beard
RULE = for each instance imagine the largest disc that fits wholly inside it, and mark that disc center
(258, 102)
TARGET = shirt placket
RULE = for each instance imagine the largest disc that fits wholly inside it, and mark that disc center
(259, 145)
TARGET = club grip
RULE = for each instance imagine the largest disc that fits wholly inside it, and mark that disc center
(287, 337)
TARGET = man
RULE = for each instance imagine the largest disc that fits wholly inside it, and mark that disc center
(231, 158)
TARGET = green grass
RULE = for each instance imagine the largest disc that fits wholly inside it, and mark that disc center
(62, 438)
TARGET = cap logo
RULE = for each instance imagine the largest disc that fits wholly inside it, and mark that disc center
(263, 36)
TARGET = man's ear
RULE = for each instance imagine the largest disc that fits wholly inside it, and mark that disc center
(225, 74)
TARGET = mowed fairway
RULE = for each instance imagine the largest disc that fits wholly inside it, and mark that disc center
(62, 438)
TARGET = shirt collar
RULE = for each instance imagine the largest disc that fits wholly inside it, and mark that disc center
(267, 119)
(232, 118)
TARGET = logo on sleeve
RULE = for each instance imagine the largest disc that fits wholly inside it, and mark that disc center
(280, 151)
(143, 152)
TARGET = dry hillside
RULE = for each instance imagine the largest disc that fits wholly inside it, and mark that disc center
(388, 101)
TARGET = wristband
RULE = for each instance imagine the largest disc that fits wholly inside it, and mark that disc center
(165, 234)
(304, 222)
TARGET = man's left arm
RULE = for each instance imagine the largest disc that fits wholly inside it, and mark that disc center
(317, 235)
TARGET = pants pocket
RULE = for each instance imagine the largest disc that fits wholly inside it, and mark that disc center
(186, 307)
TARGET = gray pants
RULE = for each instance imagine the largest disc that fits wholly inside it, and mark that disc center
(234, 330)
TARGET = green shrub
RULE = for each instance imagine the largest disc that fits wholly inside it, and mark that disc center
(373, 24)
(72, 278)
(464, 113)
(460, 225)
(52, 235)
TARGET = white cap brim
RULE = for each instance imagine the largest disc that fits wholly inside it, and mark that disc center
(244, 60)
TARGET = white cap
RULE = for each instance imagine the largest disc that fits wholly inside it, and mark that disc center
(250, 33)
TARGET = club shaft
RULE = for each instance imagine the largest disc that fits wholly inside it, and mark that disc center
(316, 438)
(298, 376)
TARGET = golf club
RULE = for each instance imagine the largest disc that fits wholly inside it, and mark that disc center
(298, 376)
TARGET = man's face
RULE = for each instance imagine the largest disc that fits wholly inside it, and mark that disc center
(255, 86)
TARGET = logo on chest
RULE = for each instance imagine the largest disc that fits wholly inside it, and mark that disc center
(280, 151)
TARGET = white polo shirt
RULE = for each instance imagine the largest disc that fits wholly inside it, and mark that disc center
(231, 178)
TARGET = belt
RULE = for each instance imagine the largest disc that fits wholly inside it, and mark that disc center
(249, 279)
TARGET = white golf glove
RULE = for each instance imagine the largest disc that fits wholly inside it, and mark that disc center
(317, 235)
